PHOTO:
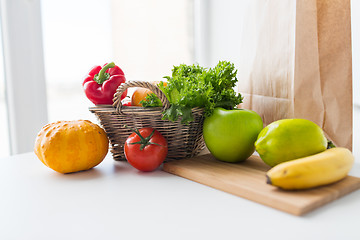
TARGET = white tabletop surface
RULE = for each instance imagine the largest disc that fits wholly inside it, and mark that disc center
(115, 201)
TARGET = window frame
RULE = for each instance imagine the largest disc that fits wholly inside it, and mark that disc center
(25, 85)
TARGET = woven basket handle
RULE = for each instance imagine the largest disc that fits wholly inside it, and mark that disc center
(128, 84)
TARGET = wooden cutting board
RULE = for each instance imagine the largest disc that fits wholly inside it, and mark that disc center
(248, 180)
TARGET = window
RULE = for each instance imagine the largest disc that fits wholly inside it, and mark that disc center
(133, 34)
(75, 40)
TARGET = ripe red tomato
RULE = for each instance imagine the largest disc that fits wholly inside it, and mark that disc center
(145, 149)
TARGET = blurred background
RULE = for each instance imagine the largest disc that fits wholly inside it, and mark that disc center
(145, 38)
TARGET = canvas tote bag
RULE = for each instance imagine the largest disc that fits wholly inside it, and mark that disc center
(296, 63)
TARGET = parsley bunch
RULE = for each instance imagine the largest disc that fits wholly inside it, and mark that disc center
(194, 86)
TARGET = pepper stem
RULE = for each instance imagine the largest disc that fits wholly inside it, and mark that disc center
(102, 76)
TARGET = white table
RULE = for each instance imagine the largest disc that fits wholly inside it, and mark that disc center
(115, 201)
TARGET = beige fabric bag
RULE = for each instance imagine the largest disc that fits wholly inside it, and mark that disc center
(296, 63)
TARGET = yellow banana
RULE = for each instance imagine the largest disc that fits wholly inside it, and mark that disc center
(316, 170)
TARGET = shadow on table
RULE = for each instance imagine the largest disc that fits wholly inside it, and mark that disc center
(123, 167)
(90, 174)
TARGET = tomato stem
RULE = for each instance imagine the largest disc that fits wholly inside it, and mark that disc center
(143, 141)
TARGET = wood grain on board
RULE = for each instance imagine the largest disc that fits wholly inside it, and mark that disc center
(247, 180)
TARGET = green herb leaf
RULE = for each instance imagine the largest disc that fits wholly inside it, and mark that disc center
(151, 100)
(194, 86)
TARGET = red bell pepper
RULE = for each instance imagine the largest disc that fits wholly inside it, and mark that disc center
(101, 83)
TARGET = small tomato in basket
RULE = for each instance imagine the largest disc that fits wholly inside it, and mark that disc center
(145, 149)
(141, 93)
(127, 103)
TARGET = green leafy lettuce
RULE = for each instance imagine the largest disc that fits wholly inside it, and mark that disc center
(192, 86)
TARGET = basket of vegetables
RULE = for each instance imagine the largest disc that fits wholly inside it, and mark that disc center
(176, 108)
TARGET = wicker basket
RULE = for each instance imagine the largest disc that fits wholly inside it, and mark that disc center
(184, 141)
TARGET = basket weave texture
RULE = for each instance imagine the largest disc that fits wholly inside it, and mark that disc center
(184, 141)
